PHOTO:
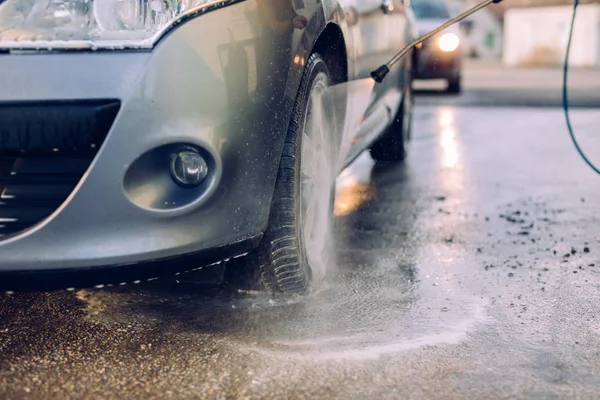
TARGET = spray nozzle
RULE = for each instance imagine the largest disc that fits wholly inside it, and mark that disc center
(380, 73)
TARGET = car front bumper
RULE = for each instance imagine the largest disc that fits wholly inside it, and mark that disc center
(187, 91)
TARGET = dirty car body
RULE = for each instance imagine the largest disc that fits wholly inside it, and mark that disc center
(88, 125)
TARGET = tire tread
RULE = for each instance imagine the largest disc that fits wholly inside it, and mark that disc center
(282, 267)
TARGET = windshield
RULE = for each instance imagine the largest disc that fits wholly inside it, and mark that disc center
(434, 9)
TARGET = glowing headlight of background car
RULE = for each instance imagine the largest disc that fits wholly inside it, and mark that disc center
(81, 24)
(448, 42)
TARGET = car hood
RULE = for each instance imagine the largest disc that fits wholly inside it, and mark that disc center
(426, 25)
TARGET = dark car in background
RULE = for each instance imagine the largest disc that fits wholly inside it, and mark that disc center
(440, 56)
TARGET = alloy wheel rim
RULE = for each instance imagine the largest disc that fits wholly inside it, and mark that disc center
(315, 178)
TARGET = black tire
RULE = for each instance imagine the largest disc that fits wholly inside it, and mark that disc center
(391, 146)
(284, 265)
(455, 85)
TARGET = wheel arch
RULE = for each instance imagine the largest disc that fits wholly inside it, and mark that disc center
(331, 45)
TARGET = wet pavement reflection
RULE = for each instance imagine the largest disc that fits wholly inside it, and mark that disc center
(470, 271)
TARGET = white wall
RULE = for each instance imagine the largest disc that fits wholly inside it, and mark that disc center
(485, 23)
(538, 36)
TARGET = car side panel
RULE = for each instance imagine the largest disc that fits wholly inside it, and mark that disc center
(375, 37)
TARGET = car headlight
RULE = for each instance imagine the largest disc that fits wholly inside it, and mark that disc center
(91, 24)
(448, 42)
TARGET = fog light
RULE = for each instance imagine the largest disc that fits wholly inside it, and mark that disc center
(188, 168)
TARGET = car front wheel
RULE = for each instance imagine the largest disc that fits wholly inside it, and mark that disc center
(294, 249)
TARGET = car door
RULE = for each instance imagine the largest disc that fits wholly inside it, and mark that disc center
(377, 35)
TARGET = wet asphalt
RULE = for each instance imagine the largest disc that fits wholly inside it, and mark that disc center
(471, 271)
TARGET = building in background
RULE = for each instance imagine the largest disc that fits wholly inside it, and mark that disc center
(536, 34)
(531, 32)
(481, 32)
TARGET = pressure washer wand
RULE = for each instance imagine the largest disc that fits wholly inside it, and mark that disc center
(380, 73)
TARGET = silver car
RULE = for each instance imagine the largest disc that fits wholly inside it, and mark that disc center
(143, 137)
(439, 57)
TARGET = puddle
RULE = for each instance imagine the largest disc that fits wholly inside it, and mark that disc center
(372, 314)
(391, 290)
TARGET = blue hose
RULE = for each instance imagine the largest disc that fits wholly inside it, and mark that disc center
(565, 99)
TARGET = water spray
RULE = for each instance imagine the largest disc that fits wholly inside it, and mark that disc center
(380, 73)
